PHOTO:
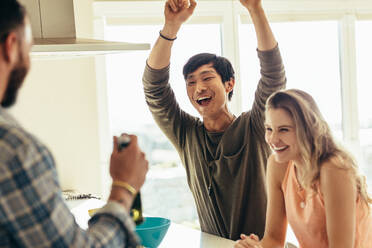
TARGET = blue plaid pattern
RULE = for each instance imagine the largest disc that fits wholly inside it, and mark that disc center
(32, 210)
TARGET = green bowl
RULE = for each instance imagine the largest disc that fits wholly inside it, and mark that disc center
(152, 231)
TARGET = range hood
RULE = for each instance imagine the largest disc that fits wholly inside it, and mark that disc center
(54, 26)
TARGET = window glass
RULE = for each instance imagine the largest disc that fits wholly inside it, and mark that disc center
(165, 192)
(363, 56)
(311, 59)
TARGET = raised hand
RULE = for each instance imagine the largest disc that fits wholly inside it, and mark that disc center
(178, 11)
(251, 4)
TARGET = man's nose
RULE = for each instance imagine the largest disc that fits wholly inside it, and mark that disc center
(200, 86)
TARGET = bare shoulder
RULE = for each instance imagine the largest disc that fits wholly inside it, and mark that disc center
(336, 174)
(275, 170)
(335, 168)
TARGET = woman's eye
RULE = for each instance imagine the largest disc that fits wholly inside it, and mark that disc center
(283, 130)
(268, 129)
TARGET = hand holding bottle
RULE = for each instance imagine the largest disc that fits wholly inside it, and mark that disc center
(129, 165)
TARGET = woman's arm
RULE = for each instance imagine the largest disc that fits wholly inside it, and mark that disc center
(276, 217)
(276, 220)
(338, 187)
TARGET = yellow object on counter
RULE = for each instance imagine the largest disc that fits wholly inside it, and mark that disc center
(92, 211)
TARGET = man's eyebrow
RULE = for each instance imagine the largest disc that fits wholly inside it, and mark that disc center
(190, 76)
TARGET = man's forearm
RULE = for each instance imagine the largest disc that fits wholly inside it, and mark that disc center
(265, 37)
(161, 52)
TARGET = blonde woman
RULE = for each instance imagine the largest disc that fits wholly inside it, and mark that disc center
(313, 183)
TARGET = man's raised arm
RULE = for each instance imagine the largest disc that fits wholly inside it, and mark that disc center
(265, 37)
(176, 12)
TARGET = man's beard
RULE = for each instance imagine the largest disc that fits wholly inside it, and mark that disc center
(15, 81)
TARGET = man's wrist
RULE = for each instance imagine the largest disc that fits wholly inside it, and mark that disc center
(166, 38)
(122, 196)
(125, 185)
(170, 30)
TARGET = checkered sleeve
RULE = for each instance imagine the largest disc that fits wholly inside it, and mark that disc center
(32, 210)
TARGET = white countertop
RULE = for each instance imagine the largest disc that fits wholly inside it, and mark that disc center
(184, 237)
(177, 236)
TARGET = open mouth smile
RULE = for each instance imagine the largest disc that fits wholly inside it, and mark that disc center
(204, 100)
(279, 149)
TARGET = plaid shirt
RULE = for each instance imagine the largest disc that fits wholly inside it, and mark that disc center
(32, 210)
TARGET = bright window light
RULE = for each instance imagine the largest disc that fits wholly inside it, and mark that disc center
(364, 54)
(311, 59)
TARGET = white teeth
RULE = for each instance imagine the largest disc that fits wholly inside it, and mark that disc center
(203, 98)
(279, 148)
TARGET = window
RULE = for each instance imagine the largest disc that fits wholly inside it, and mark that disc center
(165, 192)
(364, 54)
(311, 61)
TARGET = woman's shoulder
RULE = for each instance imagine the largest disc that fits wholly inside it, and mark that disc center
(336, 174)
(336, 164)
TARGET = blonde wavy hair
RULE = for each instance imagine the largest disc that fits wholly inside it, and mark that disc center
(315, 140)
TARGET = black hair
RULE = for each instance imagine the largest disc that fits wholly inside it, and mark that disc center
(12, 16)
(220, 64)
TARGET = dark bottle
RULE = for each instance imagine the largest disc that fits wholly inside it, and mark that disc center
(136, 208)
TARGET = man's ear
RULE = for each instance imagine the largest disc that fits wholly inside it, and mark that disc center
(10, 48)
(229, 85)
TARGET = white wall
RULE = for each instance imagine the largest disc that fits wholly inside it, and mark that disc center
(58, 103)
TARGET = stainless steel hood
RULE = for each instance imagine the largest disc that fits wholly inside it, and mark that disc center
(54, 25)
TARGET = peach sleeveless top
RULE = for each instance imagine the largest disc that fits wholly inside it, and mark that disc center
(307, 216)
